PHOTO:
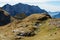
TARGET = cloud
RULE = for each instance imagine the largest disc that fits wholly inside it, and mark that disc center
(25, 1)
(50, 7)
(55, 3)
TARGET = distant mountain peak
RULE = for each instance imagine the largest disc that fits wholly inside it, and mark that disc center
(7, 5)
(20, 8)
(57, 16)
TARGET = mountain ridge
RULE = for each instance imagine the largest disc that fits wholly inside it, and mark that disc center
(22, 8)
(57, 16)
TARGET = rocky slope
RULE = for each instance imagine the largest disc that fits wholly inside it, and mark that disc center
(34, 27)
(4, 17)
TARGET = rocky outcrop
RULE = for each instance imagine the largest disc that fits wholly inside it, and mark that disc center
(4, 17)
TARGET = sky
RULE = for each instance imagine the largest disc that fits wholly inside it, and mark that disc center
(49, 5)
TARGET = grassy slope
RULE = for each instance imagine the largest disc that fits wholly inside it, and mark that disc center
(45, 31)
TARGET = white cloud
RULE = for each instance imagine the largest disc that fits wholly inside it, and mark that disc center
(25, 1)
(50, 7)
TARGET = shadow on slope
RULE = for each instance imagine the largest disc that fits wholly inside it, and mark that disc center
(4, 17)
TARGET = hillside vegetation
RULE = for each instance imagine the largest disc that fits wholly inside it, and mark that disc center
(33, 27)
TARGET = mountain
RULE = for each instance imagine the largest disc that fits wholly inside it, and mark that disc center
(57, 16)
(54, 14)
(22, 8)
(9, 9)
(4, 17)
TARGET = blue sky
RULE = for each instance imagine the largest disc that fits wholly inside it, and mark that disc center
(49, 5)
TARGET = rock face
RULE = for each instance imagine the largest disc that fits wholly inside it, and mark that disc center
(20, 8)
(4, 17)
